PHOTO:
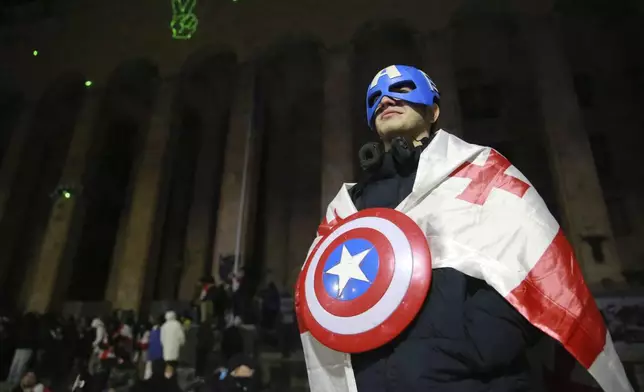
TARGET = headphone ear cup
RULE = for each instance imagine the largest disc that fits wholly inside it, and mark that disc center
(400, 150)
(370, 156)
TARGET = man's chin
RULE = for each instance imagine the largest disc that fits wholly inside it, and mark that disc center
(389, 126)
(391, 131)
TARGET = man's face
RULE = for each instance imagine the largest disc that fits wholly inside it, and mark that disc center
(398, 118)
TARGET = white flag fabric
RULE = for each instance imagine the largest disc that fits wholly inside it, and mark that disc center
(482, 217)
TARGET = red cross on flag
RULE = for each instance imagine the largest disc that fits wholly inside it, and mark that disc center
(487, 177)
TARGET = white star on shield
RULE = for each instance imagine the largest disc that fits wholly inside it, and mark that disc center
(348, 268)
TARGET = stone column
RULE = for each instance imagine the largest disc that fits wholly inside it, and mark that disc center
(437, 59)
(129, 273)
(304, 191)
(231, 205)
(10, 167)
(172, 256)
(200, 230)
(276, 195)
(119, 242)
(52, 268)
(584, 213)
(13, 154)
(337, 139)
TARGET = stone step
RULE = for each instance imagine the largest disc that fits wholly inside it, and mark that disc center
(280, 371)
(297, 356)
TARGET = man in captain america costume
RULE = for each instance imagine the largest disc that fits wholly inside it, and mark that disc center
(439, 269)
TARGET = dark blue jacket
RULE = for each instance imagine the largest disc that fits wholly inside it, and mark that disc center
(155, 349)
(466, 337)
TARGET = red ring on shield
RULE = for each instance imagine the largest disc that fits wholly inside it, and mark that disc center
(397, 316)
(378, 288)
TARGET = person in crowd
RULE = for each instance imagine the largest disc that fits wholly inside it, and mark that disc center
(70, 342)
(7, 330)
(83, 350)
(29, 383)
(270, 305)
(123, 372)
(141, 348)
(221, 302)
(172, 339)
(241, 374)
(98, 344)
(123, 338)
(206, 297)
(287, 327)
(154, 365)
(186, 320)
(26, 339)
(51, 365)
(104, 357)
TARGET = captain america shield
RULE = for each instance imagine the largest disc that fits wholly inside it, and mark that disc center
(365, 281)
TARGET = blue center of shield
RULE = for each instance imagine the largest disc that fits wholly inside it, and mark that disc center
(350, 269)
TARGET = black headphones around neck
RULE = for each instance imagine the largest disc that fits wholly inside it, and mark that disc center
(371, 154)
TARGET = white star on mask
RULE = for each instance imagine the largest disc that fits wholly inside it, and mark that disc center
(348, 268)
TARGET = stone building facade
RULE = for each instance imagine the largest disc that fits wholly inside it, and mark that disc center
(133, 160)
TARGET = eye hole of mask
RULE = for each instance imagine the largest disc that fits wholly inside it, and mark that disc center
(403, 87)
(373, 98)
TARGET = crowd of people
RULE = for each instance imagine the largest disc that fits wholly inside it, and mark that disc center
(204, 349)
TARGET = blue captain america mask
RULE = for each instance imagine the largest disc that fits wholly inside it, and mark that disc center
(423, 90)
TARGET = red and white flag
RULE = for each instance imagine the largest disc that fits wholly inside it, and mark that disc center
(482, 217)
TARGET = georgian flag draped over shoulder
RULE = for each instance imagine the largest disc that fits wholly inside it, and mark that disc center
(482, 217)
